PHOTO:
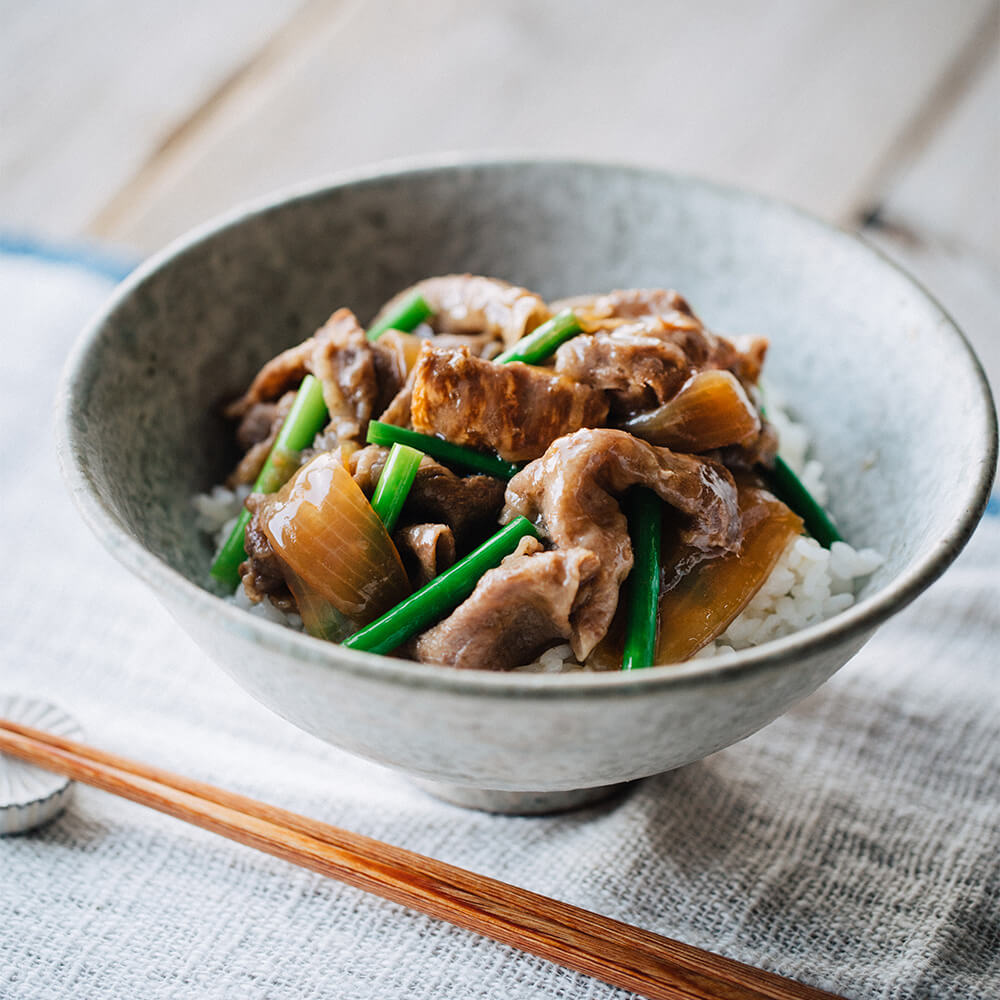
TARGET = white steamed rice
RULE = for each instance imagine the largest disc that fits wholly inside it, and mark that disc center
(808, 585)
(216, 511)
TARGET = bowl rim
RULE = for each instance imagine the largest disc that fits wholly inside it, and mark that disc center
(855, 624)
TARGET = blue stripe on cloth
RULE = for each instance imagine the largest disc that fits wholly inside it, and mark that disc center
(89, 258)
(993, 506)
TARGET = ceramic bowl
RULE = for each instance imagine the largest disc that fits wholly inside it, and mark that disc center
(897, 404)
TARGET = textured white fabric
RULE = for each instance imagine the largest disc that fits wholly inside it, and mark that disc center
(853, 844)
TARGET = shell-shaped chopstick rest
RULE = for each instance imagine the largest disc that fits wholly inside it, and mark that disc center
(30, 796)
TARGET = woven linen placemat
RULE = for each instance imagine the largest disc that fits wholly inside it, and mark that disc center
(853, 844)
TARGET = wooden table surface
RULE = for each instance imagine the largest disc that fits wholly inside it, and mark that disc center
(128, 123)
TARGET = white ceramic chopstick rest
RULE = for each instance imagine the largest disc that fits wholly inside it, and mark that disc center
(30, 796)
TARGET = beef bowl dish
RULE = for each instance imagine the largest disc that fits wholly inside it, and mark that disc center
(528, 479)
(462, 471)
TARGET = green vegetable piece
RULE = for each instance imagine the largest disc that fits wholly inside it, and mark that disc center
(443, 593)
(304, 421)
(543, 340)
(411, 312)
(443, 451)
(789, 489)
(645, 518)
(394, 484)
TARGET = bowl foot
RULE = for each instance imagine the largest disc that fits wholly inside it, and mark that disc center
(519, 803)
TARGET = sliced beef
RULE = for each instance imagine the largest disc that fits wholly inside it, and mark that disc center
(390, 374)
(426, 551)
(471, 304)
(343, 361)
(366, 466)
(605, 312)
(342, 358)
(359, 380)
(394, 354)
(261, 573)
(748, 360)
(256, 424)
(515, 410)
(481, 345)
(665, 314)
(571, 495)
(258, 445)
(516, 611)
(469, 505)
(397, 412)
(634, 302)
(637, 371)
(760, 450)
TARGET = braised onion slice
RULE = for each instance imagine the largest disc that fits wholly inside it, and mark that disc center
(608, 653)
(711, 410)
(703, 597)
(405, 347)
(335, 547)
(319, 617)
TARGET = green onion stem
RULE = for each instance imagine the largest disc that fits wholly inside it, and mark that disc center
(411, 312)
(443, 451)
(394, 484)
(543, 340)
(304, 421)
(645, 516)
(790, 490)
(443, 593)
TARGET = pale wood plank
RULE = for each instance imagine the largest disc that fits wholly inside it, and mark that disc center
(90, 89)
(940, 217)
(796, 100)
(950, 193)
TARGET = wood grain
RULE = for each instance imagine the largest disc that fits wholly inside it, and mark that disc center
(91, 89)
(617, 953)
(939, 214)
(796, 100)
(949, 192)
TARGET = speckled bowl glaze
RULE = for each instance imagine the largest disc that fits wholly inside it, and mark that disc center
(898, 406)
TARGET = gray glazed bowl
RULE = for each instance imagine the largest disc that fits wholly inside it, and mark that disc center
(899, 409)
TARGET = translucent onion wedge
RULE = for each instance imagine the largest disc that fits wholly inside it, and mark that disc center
(319, 617)
(406, 347)
(711, 410)
(699, 604)
(325, 532)
(609, 652)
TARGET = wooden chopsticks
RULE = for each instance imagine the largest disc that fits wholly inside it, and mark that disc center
(617, 953)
